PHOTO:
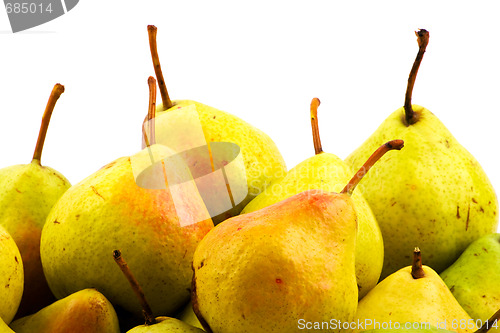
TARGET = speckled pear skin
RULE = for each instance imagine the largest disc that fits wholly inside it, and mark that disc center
(11, 277)
(474, 279)
(265, 270)
(327, 172)
(166, 325)
(4, 328)
(27, 193)
(434, 194)
(263, 161)
(401, 298)
(86, 311)
(108, 211)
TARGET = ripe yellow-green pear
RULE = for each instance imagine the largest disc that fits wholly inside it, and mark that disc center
(11, 276)
(263, 163)
(474, 279)
(414, 294)
(128, 205)
(327, 172)
(27, 193)
(86, 311)
(434, 194)
(267, 270)
(166, 325)
(402, 329)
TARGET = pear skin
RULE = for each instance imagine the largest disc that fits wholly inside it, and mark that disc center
(264, 271)
(402, 191)
(108, 211)
(86, 311)
(327, 172)
(11, 276)
(4, 328)
(404, 299)
(474, 278)
(166, 325)
(424, 329)
(188, 316)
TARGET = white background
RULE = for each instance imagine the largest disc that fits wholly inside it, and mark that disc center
(261, 61)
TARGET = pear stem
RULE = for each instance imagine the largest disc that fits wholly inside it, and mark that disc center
(315, 127)
(54, 96)
(167, 103)
(150, 118)
(146, 310)
(489, 323)
(422, 39)
(416, 268)
(394, 144)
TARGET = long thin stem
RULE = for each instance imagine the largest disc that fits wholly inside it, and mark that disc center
(167, 103)
(146, 309)
(54, 96)
(314, 125)
(423, 40)
(495, 319)
(394, 144)
(416, 268)
(149, 121)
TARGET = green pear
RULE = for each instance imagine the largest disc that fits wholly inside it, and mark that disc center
(86, 311)
(28, 192)
(4, 328)
(327, 172)
(267, 270)
(402, 329)
(11, 276)
(188, 316)
(166, 325)
(414, 294)
(474, 278)
(262, 160)
(434, 194)
(109, 210)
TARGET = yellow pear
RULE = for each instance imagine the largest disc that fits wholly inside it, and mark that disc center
(327, 172)
(27, 193)
(434, 194)
(86, 311)
(283, 265)
(4, 328)
(262, 160)
(414, 294)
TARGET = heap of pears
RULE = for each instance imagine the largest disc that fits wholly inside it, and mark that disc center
(281, 251)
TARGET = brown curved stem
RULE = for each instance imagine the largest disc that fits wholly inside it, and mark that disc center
(423, 40)
(416, 268)
(167, 103)
(314, 125)
(149, 121)
(394, 144)
(146, 309)
(495, 319)
(54, 96)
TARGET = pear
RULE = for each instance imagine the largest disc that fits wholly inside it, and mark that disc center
(159, 324)
(11, 276)
(267, 270)
(424, 328)
(28, 192)
(327, 172)
(414, 294)
(403, 189)
(127, 205)
(262, 162)
(4, 328)
(474, 278)
(188, 316)
(86, 311)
